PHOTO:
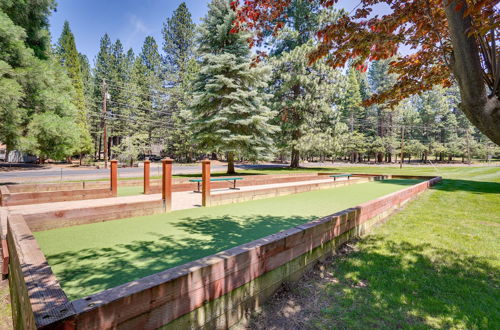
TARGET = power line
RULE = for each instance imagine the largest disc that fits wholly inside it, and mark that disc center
(133, 119)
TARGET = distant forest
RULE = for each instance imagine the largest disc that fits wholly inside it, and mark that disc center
(202, 90)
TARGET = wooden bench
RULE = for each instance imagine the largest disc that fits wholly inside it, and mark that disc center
(335, 176)
(199, 181)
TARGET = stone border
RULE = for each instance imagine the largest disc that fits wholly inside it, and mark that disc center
(214, 292)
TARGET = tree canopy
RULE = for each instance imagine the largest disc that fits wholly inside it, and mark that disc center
(459, 37)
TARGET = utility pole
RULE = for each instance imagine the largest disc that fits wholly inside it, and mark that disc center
(103, 123)
(468, 147)
(402, 145)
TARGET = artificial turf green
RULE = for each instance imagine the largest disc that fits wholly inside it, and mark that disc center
(90, 258)
(130, 191)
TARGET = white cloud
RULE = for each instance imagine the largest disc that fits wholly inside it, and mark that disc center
(136, 31)
(139, 25)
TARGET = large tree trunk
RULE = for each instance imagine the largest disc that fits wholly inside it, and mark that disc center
(230, 163)
(295, 161)
(482, 110)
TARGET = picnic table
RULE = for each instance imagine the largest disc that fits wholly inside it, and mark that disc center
(199, 181)
(335, 176)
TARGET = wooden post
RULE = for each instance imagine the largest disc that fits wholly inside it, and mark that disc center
(205, 185)
(166, 184)
(147, 165)
(114, 177)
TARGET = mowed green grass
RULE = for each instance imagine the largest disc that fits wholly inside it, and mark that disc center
(90, 258)
(434, 265)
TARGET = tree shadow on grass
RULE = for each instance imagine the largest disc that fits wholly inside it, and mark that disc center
(389, 284)
(89, 271)
(481, 187)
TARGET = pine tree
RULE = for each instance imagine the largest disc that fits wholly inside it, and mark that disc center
(228, 108)
(381, 80)
(33, 89)
(181, 69)
(150, 88)
(33, 17)
(102, 72)
(352, 109)
(302, 94)
(70, 60)
(179, 39)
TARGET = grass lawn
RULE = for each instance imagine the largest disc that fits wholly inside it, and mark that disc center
(90, 258)
(436, 264)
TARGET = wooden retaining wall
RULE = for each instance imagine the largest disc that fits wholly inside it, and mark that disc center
(53, 219)
(213, 292)
(25, 198)
(250, 180)
(242, 196)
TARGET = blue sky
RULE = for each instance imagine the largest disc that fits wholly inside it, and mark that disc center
(128, 20)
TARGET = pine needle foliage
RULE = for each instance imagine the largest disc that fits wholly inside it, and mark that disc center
(229, 108)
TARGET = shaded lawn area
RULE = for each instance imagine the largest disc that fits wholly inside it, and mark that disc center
(436, 264)
(90, 258)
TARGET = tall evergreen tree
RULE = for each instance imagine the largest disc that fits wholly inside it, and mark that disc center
(33, 17)
(302, 94)
(381, 80)
(33, 88)
(179, 39)
(70, 60)
(181, 69)
(150, 87)
(228, 107)
(102, 72)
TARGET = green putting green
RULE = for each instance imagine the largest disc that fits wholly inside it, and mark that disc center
(89, 258)
(130, 191)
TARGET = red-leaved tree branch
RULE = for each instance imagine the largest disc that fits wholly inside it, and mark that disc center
(448, 39)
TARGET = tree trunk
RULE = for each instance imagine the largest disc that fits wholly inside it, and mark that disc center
(295, 161)
(482, 110)
(230, 163)
(100, 148)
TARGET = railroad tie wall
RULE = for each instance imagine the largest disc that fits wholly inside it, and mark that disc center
(53, 219)
(213, 292)
(242, 196)
(26, 198)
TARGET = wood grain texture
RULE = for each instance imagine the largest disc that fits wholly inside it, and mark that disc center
(213, 292)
